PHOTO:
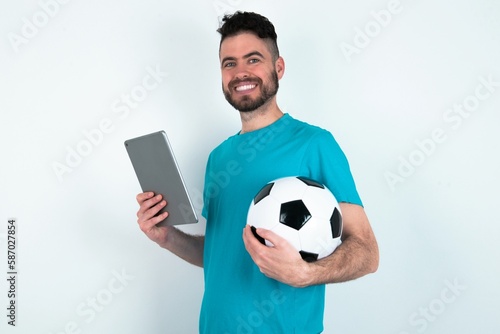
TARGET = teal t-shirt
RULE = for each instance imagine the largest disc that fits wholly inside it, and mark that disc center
(238, 298)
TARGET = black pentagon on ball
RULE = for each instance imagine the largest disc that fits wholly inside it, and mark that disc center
(265, 191)
(294, 214)
(309, 257)
(310, 182)
(336, 223)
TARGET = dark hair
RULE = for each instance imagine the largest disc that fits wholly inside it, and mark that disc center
(250, 22)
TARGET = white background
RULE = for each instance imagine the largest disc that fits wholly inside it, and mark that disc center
(435, 222)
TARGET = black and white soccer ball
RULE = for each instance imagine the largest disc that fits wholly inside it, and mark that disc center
(302, 211)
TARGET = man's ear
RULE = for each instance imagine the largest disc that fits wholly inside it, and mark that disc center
(279, 65)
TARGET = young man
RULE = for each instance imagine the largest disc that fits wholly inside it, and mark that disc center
(249, 287)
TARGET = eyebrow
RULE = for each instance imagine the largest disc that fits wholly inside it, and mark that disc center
(248, 55)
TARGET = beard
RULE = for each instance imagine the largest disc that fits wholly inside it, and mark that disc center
(246, 103)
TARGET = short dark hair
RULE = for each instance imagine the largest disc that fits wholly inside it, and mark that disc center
(239, 22)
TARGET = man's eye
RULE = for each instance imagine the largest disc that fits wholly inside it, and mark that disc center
(229, 64)
(253, 61)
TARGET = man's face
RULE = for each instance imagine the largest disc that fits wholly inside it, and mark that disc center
(249, 74)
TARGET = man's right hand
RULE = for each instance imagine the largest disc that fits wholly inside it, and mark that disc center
(186, 246)
(150, 205)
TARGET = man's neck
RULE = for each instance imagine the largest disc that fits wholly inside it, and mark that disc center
(260, 118)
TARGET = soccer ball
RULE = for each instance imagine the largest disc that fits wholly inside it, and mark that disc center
(302, 211)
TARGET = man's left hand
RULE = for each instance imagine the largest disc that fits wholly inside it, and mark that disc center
(281, 261)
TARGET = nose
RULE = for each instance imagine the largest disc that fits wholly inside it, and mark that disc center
(241, 71)
(241, 77)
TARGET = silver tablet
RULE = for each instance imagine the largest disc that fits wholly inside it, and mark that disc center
(157, 170)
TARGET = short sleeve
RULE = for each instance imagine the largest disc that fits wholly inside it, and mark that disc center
(326, 159)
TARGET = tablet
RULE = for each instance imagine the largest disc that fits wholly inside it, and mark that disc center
(157, 170)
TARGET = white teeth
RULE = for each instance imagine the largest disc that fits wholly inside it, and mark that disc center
(244, 87)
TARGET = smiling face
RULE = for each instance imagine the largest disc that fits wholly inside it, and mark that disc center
(249, 74)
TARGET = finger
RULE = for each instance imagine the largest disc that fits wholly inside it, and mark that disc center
(249, 239)
(144, 196)
(147, 225)
(148, 204)
(152, 202)
(253, 245)
(253, 229)
(270, 236)
(245, 235)
(153, 211)
(150, 217)
(249, 234)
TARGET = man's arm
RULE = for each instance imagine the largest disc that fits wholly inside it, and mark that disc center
(187, 247)
(357, 255)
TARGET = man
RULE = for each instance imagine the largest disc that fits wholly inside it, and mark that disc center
(249, 287)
